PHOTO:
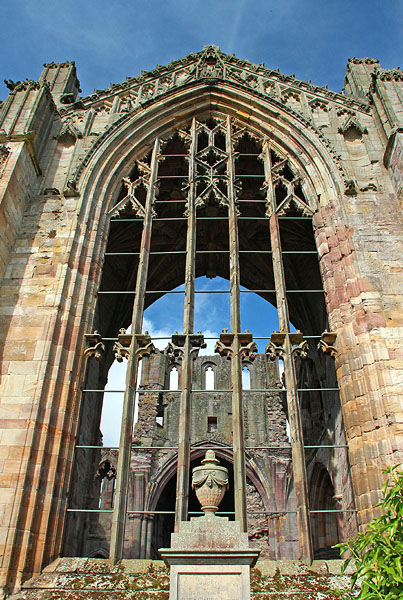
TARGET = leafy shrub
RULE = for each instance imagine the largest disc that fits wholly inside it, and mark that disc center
(377, 553)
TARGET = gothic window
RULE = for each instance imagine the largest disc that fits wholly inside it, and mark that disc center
(216, 200)
(209, 377)
(161, 410)
(173, 378)
(245, 378)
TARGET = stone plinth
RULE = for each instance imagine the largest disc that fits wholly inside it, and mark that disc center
(209, 559)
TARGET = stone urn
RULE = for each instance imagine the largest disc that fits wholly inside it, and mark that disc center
(210, 482)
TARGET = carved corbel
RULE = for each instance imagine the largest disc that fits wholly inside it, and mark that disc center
(69, 133)
(97, 348)
(226, 345)
(121, 348)
(326, 343)
(350, 187)
(70, 189)
(174, 353)
(144, 345)
(275, 347)
(301, 350)
(175, 348)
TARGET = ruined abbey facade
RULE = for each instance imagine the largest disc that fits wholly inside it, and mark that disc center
(211, 167)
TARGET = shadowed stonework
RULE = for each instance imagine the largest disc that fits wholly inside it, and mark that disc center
(211, 167)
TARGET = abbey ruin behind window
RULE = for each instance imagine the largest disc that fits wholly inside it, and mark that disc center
(208, 167)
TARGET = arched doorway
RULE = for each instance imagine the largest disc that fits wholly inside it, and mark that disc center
(164, 523)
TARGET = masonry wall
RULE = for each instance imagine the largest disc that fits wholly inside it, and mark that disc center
(51, 261)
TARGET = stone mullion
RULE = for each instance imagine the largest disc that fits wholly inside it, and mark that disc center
(236, 363)
(184, 428)
(123, 466)
(294, 414)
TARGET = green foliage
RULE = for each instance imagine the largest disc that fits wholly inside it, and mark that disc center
(377, 553)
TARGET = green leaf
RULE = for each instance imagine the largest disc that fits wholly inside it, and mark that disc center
(377, 553)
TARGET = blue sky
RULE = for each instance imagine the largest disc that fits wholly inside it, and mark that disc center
(110, 39)
(164, 317)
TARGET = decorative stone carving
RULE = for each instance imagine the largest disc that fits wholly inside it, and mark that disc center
(263, 82)
(22, 86)
(363, 61)
(98, 347)
(175, 348)
(11, 85)
(350, 187)
(388, 74)
(131, 187)
(70, 190)
(50, 191)
(145, 347)
(247, 347)
(275, 347)
(210, 177)
(106, 467)
(326, 343)
(291, 201)
(352, 121)
(69, 133)
(121, 348)
(4, 154)
(320, 104)
(210, 482)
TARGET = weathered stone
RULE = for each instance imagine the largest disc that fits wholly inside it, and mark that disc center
(347, 153)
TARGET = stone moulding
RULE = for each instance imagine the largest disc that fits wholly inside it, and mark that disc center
(363, 61)
(245, 73)
(248, 70)
(388, 74)
(76, 175)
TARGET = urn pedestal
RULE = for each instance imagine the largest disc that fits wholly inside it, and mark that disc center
(209, 558)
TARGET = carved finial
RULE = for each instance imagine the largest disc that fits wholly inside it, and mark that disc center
(210, 458)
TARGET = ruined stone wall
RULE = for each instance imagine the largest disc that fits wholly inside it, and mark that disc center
(54, 188)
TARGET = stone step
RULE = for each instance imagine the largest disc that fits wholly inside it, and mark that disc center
(98, 579)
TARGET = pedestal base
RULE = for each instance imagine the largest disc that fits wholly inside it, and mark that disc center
(209, 559)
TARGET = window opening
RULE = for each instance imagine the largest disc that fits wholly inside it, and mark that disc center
(209, 378)
(174, 378)
(226, 220)
(211, 424)
(160, 411)
(245, 378)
